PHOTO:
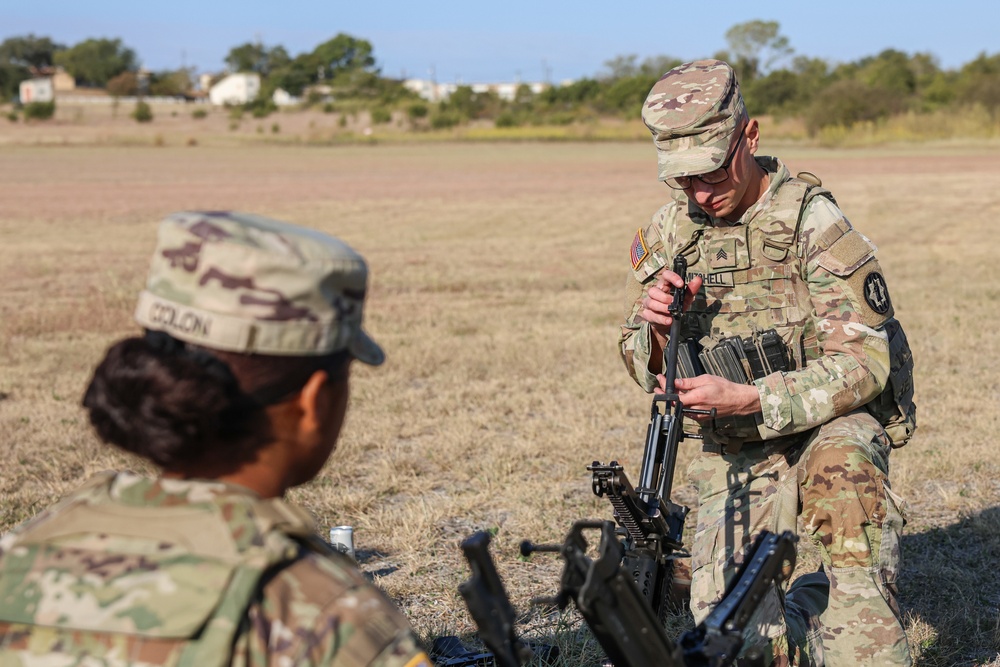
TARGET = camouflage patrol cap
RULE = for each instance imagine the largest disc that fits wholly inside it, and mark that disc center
(692, 112)
(243, 283)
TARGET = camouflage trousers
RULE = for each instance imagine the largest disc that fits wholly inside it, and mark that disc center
(836, 477)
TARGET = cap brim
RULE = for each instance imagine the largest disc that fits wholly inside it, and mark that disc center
(690, 161)
(366, 350)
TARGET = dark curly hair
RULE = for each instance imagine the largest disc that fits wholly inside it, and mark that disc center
(178, 405)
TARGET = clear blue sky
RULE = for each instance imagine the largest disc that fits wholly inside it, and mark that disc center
(478, 41)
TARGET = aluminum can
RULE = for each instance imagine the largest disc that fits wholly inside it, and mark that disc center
(342, 539)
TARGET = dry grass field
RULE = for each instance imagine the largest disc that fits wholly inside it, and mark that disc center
(497, 277)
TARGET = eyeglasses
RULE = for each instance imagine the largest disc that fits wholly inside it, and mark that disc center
(713, 177)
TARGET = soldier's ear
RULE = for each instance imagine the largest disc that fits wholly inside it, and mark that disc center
(752, 133)
(311, 402)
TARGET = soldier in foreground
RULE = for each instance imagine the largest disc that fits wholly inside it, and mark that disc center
(791, 338)
(237, 391)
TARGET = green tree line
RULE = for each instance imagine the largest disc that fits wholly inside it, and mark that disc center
(342, 72)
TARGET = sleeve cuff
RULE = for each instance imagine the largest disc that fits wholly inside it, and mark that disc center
(775, 403)
(643, 350)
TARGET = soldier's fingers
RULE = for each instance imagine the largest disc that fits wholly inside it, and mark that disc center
(666, 276)
(656, 318)
(692, 289)
(657, 293)
(688, 384)
(656, 306)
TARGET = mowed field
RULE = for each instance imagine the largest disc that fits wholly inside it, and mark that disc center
(497, 277)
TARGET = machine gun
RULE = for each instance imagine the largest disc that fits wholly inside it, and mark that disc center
(614, 608)
(653, 525)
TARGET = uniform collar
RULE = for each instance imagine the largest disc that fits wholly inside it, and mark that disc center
(132, 489)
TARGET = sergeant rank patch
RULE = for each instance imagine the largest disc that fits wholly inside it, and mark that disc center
(876, 293)
(639, 250)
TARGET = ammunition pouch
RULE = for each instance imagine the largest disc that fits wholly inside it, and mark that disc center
(737, 359)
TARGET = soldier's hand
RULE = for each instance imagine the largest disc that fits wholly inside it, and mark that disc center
(656, 303)
(705, 392)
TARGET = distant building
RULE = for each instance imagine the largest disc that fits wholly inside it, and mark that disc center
(205, 82)
(36, 90)
(235, 89)
(63, 81)
(438, 92)
(283, 98)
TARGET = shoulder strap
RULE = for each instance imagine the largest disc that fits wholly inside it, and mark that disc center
(789, 204)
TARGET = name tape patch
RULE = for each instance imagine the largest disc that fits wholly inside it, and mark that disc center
(721, 279)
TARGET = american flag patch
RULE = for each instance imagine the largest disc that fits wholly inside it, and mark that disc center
(639, 250)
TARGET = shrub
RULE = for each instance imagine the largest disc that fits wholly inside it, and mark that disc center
(329, 108)
(417, 110)
(275, 128)
(198, 114)
(143, 113)
(262, 108)
(39, 110)
(507, 119)
(560, 118)
(12, 116)
(381, 115)
(445, 119)
(123, 85)
(848, 102)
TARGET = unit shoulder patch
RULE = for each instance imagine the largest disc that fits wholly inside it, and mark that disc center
(876, 293)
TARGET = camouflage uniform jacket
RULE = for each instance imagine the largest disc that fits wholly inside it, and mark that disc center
(135, 571)
(792, 262)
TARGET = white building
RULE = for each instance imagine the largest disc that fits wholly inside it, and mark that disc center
(283, 98)
(436, 92)
(235, 89)
(36, 90)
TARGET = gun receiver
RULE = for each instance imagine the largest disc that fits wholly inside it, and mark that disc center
(607, 598)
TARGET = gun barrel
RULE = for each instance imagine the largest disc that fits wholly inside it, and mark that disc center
(528, 547)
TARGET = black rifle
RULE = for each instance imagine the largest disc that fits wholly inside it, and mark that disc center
(614, 609)
(653, 525)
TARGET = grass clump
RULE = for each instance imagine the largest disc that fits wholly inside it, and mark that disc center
(39, 110)
(143, 113)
